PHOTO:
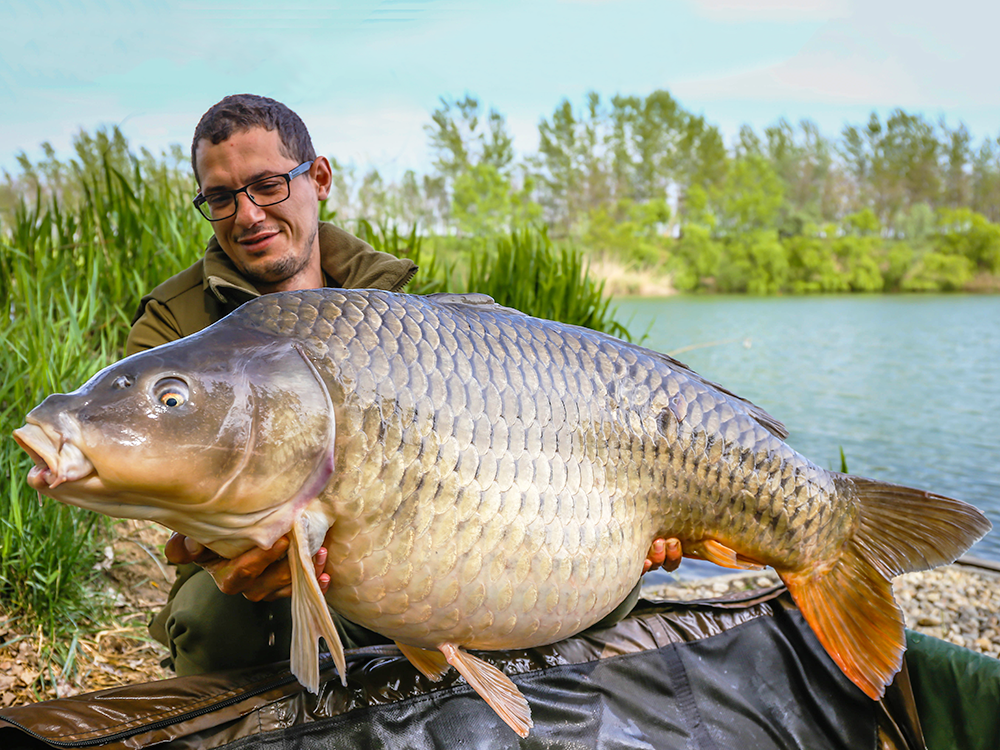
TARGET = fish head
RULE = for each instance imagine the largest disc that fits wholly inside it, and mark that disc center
(223, 436)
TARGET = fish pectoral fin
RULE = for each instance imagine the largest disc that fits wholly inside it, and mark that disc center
(493, 686)
(310, 616)
(431, 664)
(720, 554)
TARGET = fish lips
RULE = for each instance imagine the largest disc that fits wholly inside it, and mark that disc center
(58, 459)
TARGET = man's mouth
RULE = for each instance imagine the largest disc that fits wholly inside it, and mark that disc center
(256, 242)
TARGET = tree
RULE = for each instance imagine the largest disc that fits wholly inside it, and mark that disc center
(751, 196)
(474, 154)
(571, 168)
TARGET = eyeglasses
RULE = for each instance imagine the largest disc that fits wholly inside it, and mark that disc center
(267, 191)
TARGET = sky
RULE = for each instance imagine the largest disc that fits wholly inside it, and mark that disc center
(365, 75)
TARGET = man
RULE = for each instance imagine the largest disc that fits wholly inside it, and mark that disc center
(260, 185)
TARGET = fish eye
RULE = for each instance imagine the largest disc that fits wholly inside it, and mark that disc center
(171, 392)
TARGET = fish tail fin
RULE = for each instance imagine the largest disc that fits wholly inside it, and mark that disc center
(849, 603)
(310, 616)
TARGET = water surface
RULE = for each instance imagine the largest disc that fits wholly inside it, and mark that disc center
(906, 385)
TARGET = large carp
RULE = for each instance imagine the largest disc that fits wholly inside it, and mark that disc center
(482, 479)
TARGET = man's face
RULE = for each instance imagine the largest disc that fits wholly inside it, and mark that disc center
(275, 247)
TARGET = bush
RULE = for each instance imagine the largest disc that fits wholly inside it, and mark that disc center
(936, 272)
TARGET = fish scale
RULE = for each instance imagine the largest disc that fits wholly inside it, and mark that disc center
(481, 479)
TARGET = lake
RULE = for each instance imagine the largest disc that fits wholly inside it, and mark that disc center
(908, 386)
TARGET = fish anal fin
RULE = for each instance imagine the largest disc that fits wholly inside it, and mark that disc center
(851, 610)
(310, 615)
(720, 554)
(493, 686)
(431, 664)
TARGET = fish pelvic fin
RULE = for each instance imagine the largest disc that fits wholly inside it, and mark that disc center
(431, 664)
(849, 603)
(493, 686)
(310, 615)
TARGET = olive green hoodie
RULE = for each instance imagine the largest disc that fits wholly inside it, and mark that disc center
(213, 287)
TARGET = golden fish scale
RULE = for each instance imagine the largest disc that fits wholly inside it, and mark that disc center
(499, 479)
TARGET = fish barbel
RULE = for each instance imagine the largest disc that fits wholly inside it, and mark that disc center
(482, 479)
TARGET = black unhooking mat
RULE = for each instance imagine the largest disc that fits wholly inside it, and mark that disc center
(745, 674)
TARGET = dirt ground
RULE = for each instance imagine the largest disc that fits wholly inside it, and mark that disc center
(138, 581)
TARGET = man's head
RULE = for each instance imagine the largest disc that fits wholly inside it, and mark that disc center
(241, 112)
(245, 138)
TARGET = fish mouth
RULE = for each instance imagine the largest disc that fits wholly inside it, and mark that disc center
(58, 460)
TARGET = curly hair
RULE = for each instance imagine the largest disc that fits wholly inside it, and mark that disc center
(240, 112)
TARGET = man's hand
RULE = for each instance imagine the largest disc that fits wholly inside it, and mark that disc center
(663, 553)
(261, 575)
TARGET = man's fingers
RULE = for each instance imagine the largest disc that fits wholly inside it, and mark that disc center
(663, 553)
(256, 573)
(279, 574)
(181, 549)
(674, 555)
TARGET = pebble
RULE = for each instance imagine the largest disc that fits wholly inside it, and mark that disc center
(958, 603)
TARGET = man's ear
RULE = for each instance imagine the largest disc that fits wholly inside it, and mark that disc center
(322, 177)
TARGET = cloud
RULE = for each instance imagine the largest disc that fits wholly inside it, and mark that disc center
(876, 60)
(788, 11)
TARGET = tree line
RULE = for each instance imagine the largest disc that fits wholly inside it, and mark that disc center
(900, 203)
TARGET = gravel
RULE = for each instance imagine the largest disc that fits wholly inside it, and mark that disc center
(959, 603)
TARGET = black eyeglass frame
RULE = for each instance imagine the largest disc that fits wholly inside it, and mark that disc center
(200, 200)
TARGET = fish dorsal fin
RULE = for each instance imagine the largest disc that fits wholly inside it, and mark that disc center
(310, 615)
(764, 419)
(470, 299)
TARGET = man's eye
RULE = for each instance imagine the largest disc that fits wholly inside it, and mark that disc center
(219, 200)
(268, 186)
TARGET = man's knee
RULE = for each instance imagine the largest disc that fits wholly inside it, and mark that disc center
(207, 630)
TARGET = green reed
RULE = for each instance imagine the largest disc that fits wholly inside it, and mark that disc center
(526, 271)
(72, 271)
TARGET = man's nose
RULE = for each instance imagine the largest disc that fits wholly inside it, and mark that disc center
(248, 213)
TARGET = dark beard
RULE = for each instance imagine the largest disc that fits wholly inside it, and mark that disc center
(280, 269)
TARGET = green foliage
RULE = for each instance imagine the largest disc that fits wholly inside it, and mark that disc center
(695, 258)
(754, 263)
(434, 275)
(936, 272)
(812, 266)
(629, 231)
(75, 256)
(966, 233)
(524, 270)
(856, 258)
(643, 183)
